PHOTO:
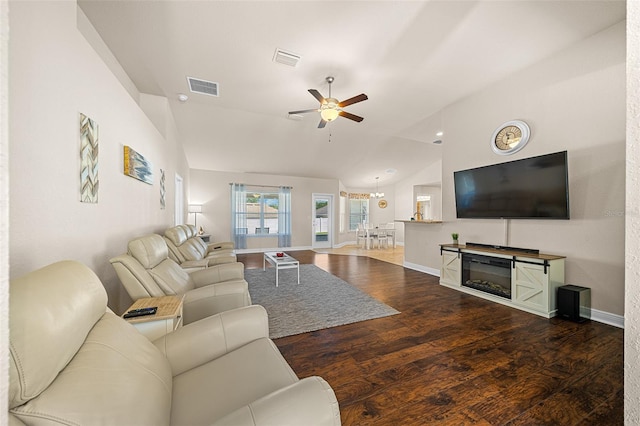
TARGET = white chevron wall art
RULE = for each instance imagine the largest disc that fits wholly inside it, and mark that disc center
(88, 160)
(162, 190)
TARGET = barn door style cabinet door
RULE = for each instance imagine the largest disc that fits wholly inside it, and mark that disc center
(450, 272)
(535, 285)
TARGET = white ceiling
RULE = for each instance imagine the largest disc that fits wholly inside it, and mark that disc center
(412, 58)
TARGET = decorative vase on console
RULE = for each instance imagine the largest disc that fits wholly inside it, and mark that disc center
(454, 235)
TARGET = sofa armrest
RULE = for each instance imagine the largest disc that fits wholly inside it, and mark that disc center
(310, 401)
(197, 343)
(194, 265)
(220, 245)
(218, 273)
(205, 301)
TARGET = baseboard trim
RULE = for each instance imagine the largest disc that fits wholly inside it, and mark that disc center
(421, 268)
(346, 243)
(266, 249)
(607, 318)
(353, 243)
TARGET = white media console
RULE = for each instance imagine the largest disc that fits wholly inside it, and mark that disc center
(520, 278)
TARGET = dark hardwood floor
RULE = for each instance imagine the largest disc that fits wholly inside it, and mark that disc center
(455, 359)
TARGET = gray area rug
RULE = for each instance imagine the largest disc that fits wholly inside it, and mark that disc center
(321, 300)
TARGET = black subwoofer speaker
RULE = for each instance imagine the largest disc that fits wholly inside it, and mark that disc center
(574, 303)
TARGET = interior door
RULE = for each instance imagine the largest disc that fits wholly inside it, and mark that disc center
(322, 221)
(178, 215)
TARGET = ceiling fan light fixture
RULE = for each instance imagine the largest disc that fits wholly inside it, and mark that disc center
(329, 109)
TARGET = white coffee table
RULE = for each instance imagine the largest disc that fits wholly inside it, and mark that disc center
(283, 262)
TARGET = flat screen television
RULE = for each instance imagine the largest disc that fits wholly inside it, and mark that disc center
(531, 188)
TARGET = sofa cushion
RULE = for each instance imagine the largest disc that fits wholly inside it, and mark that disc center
(73, 361)
(190, 230)
(149, 251)
(192, 250)
(52, 311)
(117, 377)
(177, 235)
(229, 382)
(171, 278)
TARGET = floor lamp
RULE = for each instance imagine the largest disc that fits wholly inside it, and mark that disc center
(195, 209)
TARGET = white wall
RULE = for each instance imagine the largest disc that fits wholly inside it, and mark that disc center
(211, 189)
(404, 203)
(56, 74)
(573, 101)
(632, 281)
(4, 211)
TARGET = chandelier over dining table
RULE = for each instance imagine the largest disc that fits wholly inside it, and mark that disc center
(377, 194)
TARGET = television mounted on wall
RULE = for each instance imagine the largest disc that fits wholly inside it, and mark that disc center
(530, 188)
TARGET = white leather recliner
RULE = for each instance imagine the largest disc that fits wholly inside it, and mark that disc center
(147, 271)
(74, 362)
(188, 250)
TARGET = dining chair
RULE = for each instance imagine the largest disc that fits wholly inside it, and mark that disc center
(382, 236)
(370, 235)
(361, 234)
(390, 234)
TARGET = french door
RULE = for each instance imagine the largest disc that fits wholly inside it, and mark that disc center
(322, 221)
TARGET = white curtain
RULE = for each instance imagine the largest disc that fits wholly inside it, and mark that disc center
(239, 215)
(284, 217)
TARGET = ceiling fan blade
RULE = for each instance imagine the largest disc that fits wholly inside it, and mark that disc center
(322, 124)
(361, 97)
(304, 111)
(317, 95)
(350, 116)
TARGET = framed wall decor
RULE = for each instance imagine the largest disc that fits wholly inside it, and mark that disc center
(136, 166)
(162, 191)
(88, 160)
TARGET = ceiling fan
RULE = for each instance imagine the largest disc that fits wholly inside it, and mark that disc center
(331, 108)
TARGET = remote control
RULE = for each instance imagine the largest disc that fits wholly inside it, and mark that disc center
(140, 312)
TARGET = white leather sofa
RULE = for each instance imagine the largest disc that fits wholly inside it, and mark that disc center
(147, 271)
(188, 250)
(74, 362)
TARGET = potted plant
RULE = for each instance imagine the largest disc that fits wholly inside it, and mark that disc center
(454, 235)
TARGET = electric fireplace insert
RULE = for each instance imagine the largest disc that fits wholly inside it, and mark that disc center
(489, 274)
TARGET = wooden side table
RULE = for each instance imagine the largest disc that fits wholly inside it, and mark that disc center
(167, 318)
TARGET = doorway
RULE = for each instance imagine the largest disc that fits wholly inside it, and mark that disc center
(322, 221)
(178, 215)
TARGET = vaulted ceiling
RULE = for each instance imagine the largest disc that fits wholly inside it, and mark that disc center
(412, 59)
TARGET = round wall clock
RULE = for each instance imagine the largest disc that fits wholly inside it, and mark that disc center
(382, 204)
(510, 137)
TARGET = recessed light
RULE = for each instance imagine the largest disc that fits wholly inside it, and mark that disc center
(182, 97)
(390, 171)
(439, 133)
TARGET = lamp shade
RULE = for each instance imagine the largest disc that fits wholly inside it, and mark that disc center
(195, 208)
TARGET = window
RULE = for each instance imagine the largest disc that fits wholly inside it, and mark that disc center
(259, 212)
(262, 212)
(358, 212)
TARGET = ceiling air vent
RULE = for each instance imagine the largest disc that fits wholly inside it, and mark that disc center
(202, 86)
(286, 58)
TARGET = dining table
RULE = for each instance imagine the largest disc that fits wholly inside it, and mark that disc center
(374, 232)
